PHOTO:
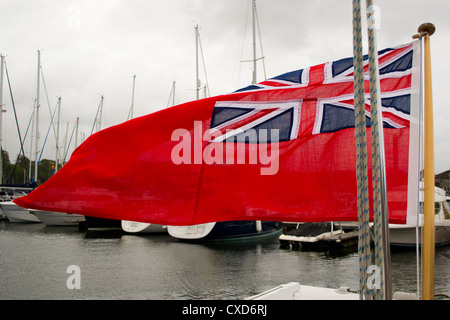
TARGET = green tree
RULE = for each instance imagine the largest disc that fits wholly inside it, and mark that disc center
(19, 172)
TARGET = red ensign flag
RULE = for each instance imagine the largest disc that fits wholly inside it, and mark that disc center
(281, 150)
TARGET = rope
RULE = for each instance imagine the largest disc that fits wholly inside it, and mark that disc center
(381, 212)
(48, 131)
(381, 254)
(52, 125)
(361, 153)
(377, 145)
(68, 145)
(96, 117)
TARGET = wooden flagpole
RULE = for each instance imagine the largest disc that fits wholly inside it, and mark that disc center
(428, 246)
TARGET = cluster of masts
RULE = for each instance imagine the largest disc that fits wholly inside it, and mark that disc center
(202, 91)
(36, 150)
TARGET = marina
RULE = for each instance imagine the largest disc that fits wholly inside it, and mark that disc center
(34, 259)
(185, 203)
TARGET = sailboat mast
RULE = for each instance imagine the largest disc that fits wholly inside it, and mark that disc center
(1, 117)
(254, 40)
(197, 81)
(65, 139)
(97, 126)
(57, 135)
(36, 118)
(428, 250)
(31, 141)
(100, 115)
(255, 23)
(173, 93)
(132, 99)
(76, 133)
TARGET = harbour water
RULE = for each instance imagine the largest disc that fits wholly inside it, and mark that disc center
(34, 262)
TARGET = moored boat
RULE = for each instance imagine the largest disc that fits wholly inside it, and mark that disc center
(15, 213)
(3, 197)
(99, 224)
(405, 235)
(142, 227)
(295, 291)
(50, 218)
(7, 196)
(319, 235)
(226, 230)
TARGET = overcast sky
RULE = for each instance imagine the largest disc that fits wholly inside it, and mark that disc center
(93, 48)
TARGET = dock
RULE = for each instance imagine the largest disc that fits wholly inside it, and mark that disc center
(320, 236)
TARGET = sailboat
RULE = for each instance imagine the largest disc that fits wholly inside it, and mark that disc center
(12, 211)
(225, 230)
(3, 197)
(51, 218)
(9, 210)
(19, 214)
(142, 227)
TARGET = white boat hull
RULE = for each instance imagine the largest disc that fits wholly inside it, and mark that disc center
(225, 230)
(197, 231)
(2, 215)
(141, 227)
(295, 291)
(15, 213)
(50, 218)
(405, 235)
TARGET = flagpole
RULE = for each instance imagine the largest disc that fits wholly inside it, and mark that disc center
(428, 246)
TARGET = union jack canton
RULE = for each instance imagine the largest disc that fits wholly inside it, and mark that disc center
(322, 96)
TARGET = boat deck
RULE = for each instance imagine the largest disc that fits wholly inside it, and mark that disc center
(342, 237)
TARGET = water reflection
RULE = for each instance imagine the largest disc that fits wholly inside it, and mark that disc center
(115, 265)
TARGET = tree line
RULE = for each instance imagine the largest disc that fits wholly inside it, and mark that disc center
(21, 172)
